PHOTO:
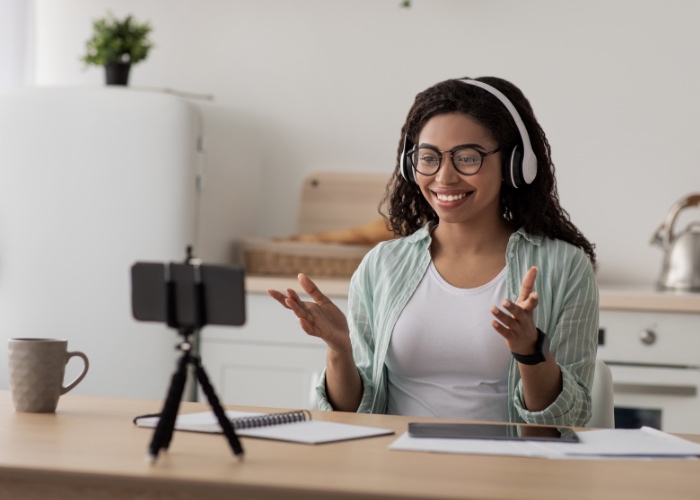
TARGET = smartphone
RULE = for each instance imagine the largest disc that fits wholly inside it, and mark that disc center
(199, 295)
(491, 431)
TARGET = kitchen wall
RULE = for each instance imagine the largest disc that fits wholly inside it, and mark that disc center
(306, 85)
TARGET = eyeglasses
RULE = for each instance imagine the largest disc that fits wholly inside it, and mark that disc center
(466, 159)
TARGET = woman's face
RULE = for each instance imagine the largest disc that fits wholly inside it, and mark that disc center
(458, 198)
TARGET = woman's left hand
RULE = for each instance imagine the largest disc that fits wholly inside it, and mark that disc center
(516, 323)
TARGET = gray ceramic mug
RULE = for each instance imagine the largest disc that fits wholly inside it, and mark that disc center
(37, 367)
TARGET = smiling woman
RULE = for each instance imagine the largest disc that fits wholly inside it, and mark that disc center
(486, 306)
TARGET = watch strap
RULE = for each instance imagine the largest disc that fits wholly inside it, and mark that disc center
(540, 354)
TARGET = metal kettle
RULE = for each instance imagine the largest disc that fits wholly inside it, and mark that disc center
(681, 265)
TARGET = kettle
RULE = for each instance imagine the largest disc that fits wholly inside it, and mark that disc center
(681, 265)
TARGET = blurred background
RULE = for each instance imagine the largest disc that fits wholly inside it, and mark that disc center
(326, 84)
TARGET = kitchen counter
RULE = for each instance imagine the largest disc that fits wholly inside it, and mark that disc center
(612, 297)
(641, 298)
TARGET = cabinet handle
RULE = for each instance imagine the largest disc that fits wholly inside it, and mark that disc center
(655, 389)
(647, 337)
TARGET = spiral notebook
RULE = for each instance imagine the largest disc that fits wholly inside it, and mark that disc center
(294, 426)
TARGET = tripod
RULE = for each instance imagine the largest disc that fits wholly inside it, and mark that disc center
(166, 424)
(187, 308)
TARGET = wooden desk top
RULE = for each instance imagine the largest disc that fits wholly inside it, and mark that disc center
(91, 449)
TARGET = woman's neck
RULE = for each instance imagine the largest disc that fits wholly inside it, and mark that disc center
(471, 239)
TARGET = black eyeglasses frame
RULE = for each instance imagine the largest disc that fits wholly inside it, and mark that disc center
(475, 147)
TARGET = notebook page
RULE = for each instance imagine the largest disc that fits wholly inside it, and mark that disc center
(314, 432)
(309, 432)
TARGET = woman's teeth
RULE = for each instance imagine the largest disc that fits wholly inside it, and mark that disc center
(450, 197)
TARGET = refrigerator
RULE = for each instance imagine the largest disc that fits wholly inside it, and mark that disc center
(93, 180)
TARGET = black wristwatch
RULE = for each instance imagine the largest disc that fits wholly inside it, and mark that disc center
(541, 351)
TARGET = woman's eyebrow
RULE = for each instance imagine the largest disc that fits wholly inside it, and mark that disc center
(469, 145)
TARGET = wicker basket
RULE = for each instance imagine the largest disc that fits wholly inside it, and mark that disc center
(329, 201)
(328, 260)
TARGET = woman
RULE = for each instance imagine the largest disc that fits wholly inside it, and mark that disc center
(485, 307)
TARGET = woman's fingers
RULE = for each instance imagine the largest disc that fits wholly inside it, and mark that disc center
(505, 318)
(311, 289)
(298, 307)
(292, 302)
(507, 333)
(528, 284)
(293, 295)
(515, 317)
(307, 321)
(279, 297)
(523, 307)
(318, 318)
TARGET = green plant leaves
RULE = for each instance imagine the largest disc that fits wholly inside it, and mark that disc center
(114, 41)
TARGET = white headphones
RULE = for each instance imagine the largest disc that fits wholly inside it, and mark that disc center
(519, 170)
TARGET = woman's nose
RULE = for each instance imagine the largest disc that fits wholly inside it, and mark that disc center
(447, 174)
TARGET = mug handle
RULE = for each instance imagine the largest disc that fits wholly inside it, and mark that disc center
(79, 377)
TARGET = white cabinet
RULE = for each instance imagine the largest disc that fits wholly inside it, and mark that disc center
(654, 357)
(269, 361)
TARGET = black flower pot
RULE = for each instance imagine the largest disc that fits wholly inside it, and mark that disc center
(117, 74)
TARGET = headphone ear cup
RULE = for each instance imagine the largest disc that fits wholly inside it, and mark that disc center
(410, 172)
(406, 163)
(513, 168)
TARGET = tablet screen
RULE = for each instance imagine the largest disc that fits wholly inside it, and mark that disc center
(491, 431)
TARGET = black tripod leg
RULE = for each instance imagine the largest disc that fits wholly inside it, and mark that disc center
(224, 422)
(166, 424)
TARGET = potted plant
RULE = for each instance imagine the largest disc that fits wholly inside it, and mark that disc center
(117, 45)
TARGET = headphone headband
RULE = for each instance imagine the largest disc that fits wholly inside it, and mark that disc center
(529, 161)
(518, 170)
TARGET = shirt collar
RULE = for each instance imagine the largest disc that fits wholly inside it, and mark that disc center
(424, 233)
(535, 239)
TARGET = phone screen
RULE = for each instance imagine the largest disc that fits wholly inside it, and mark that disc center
(219, 292)
(491, 431)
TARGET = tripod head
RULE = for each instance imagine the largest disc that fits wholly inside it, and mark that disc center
(187, 296)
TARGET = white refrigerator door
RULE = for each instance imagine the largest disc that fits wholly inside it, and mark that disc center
(91, 181)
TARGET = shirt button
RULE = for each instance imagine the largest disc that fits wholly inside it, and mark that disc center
(516, 237)
(511, 255)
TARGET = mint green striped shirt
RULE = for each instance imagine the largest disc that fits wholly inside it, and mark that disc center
(567, 312)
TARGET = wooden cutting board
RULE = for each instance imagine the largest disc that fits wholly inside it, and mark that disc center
(329, 201)
(340, 200)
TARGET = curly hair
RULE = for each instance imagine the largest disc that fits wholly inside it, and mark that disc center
(534, 207)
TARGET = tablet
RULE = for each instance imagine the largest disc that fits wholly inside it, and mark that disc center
(491, 431)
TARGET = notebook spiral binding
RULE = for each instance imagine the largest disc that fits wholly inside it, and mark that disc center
(271, 419)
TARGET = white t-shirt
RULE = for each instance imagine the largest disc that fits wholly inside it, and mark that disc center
(445, 359)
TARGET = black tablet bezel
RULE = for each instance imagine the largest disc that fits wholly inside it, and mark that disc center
(512, 432)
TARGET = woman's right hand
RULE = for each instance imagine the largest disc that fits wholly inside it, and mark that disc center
(320, 318)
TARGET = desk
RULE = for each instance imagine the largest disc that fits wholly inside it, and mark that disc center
(90, 449)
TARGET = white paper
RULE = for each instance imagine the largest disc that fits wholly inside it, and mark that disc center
(467, 446)
(641, 443)
(644, 442)
(309, 431)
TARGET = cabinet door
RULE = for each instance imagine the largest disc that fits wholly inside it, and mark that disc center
(264, 375)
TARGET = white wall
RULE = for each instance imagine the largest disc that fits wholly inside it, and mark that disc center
(326, 84)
